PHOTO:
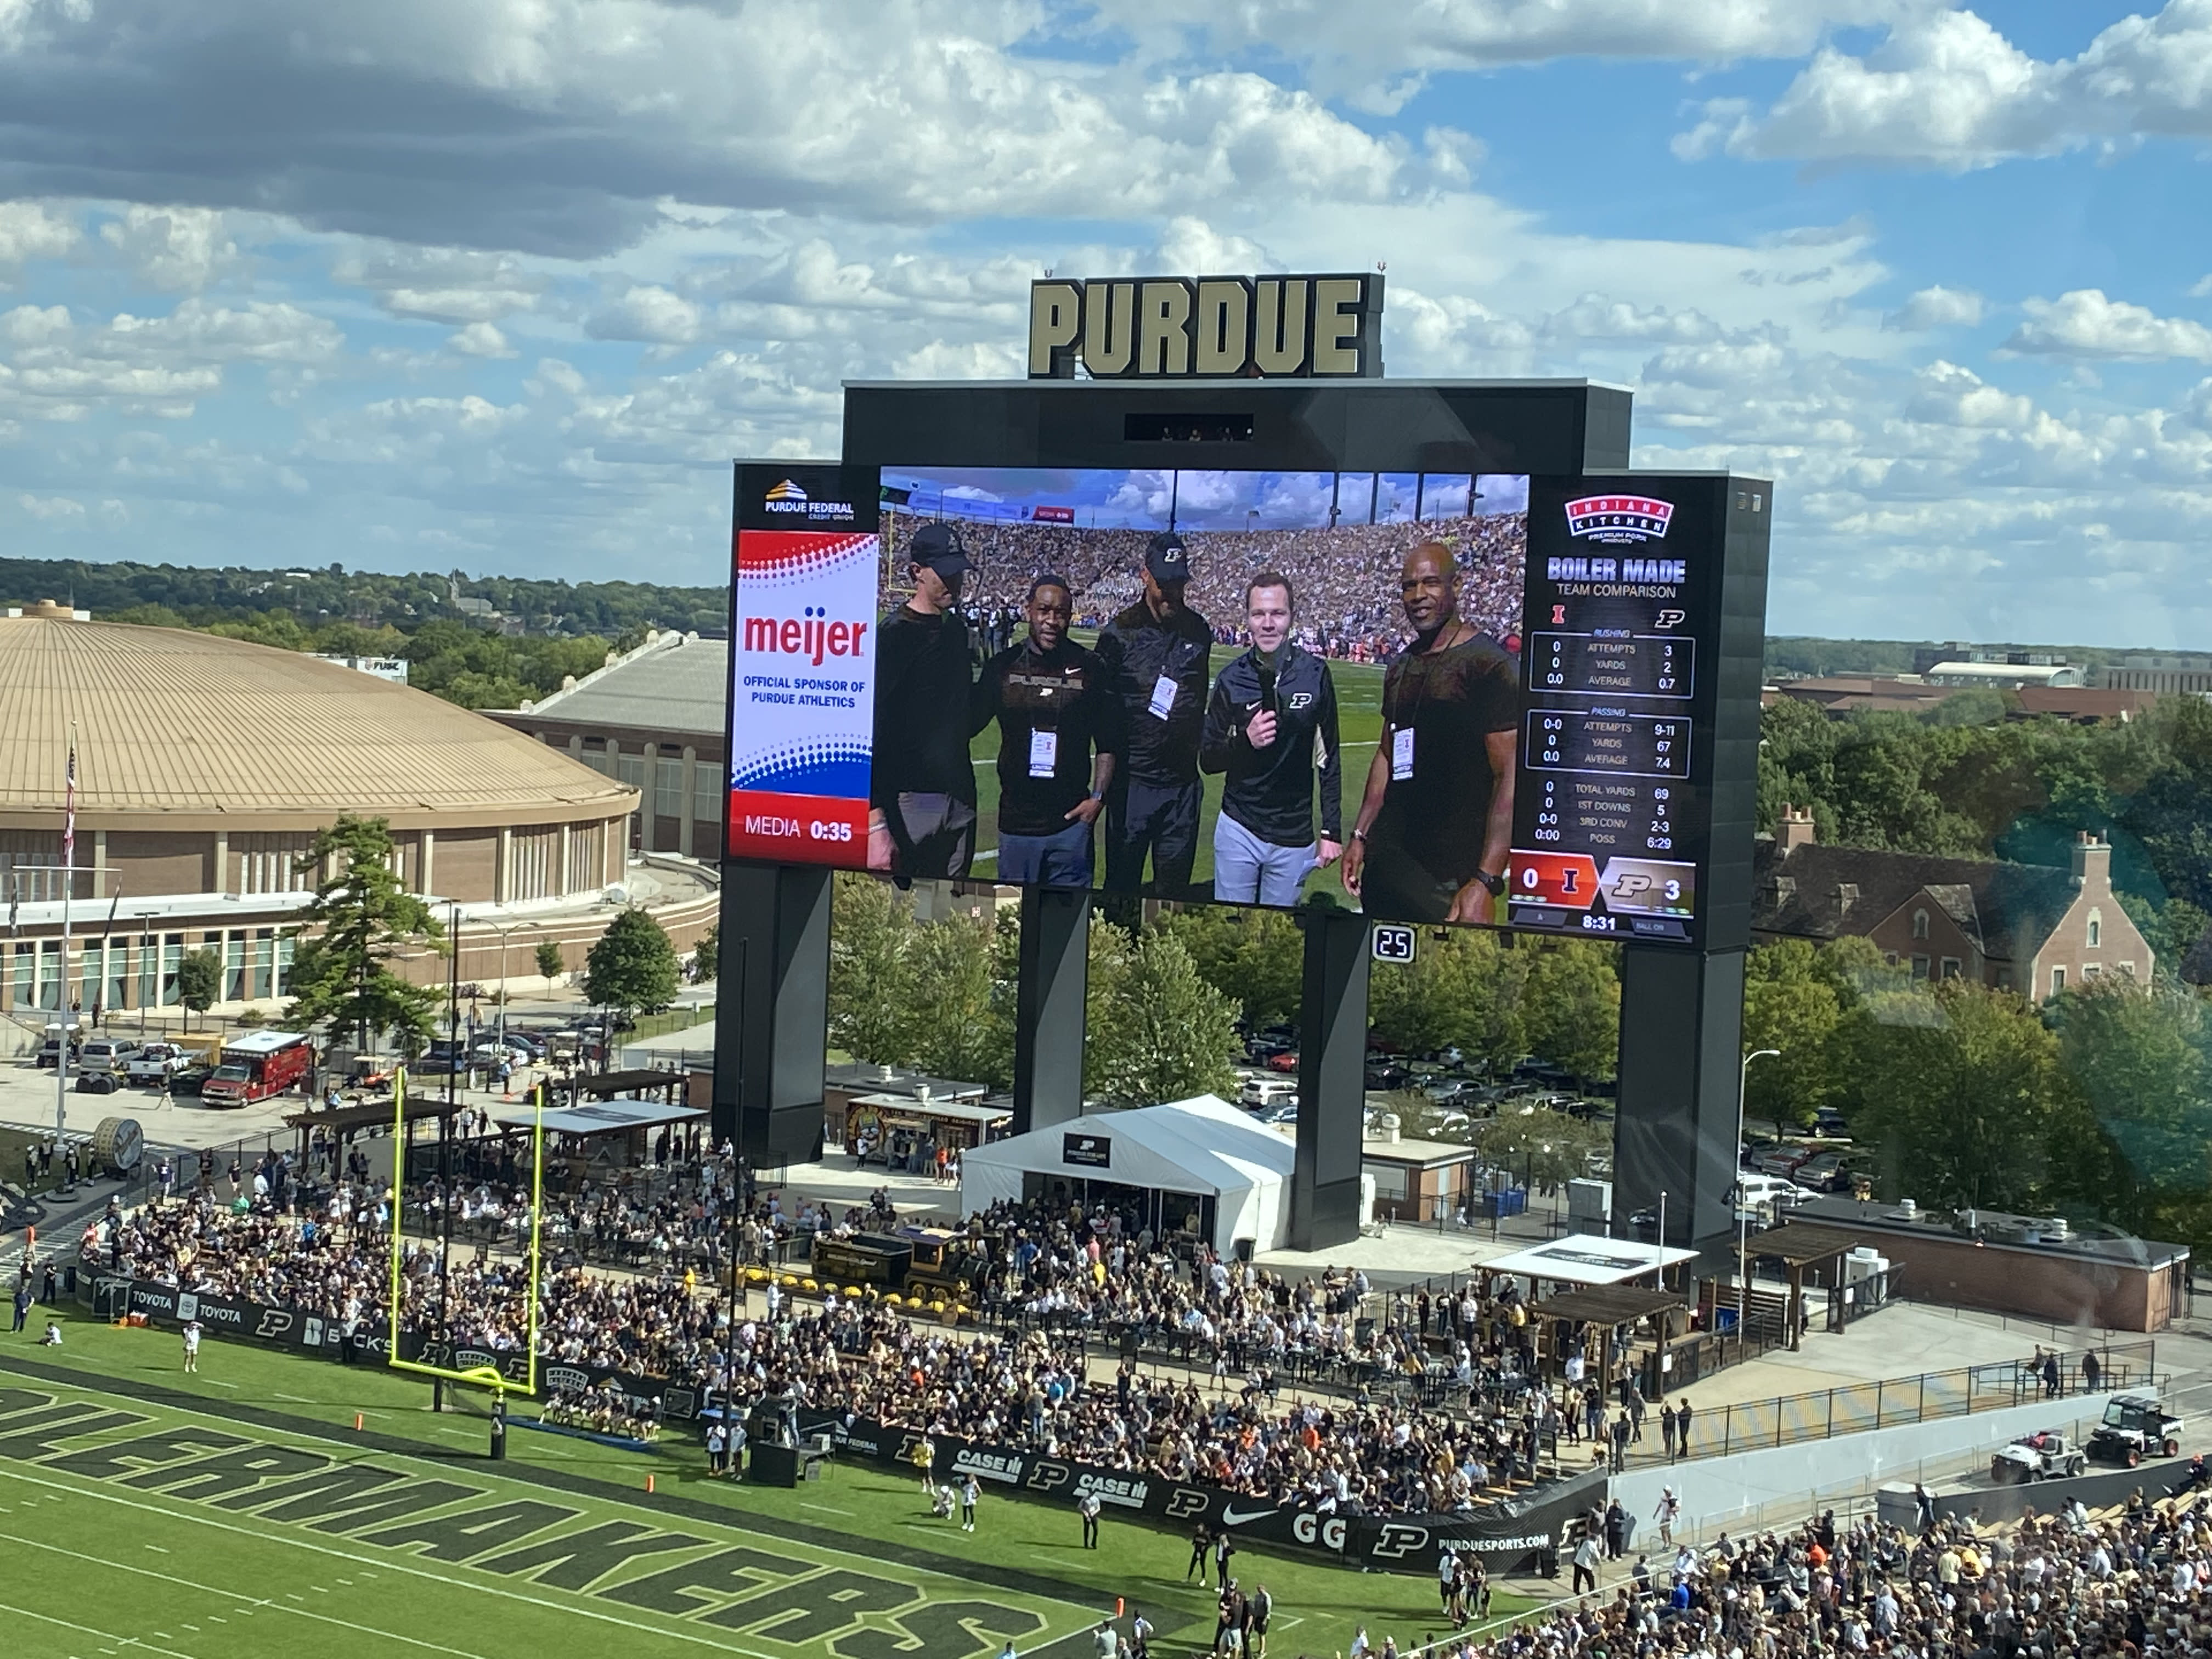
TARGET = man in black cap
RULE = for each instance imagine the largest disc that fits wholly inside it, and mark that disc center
(1436, 823)
(1060, 732)
(1157, 654)
(921, 790)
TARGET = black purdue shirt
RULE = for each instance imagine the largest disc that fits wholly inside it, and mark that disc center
(1452, 700)
(1137, 649)
(1062, 691)
(922, 716)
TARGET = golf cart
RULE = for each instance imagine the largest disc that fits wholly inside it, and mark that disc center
(2042, 1456)
(2136, 1427)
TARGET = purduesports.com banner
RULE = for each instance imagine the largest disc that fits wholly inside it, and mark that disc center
(803, 582)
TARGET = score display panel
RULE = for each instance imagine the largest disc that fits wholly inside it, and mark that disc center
(1611, 803)
(1603, 590)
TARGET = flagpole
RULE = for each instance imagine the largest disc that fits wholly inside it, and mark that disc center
(69, 880)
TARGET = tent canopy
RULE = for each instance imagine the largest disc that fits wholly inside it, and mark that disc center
(1203, 1146)
(597, 1117)
(1588, 1259)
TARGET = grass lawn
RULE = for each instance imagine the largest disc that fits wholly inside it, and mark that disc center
(237, 1514)
(1359, 728)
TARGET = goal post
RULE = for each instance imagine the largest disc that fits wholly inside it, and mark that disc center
(487, 1375)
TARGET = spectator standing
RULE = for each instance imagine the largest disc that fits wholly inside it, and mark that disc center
(1087, 1507)
(1155, 655)
(1667, 1427)
(1585, 1565)
(1682, 1427)
(1201, 1542)
(1668, 1509)
(2091, 1372)
(1259, 1611)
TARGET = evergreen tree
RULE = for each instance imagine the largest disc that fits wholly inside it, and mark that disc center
(633, 968)
(199, 979)
(362, 917)
(1157, 1031)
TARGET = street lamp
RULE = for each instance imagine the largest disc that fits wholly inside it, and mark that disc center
(504, 934)
(1742, 1226)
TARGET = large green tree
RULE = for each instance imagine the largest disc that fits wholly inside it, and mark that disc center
(1961, 1088)
(1156, 1030)
(1792, 1003)
(2137, 1058)
(199, 979)
(633, 968)
(1571, 1007)
(870, 1011)
(1467, 990)
(361, 917)
(1253, 958)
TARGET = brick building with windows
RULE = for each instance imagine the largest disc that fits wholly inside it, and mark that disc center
(2025, 927)
(205, 767)
(651, 719)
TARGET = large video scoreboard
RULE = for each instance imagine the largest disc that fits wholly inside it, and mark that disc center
(1613, 818)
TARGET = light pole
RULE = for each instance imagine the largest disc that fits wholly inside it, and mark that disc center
(1742, 1227)
(504, 934)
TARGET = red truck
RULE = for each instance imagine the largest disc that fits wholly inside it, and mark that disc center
(256, 1065)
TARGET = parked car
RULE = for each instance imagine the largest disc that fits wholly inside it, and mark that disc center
(155, 1064)
(1824, 1172)
(1282, 1111)
(1828, 1123)
(1783, 1161)
(2044, 1455)
(189, 1080)
(1285, 1061)
(102, 1054)
(2136, 1427)
(1266, 1090)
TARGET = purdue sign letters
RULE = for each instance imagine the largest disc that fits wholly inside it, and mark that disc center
(1208, 327)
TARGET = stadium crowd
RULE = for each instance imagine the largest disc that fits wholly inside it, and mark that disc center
(1051, 1281)
(2135, 1584)
(1346, 575)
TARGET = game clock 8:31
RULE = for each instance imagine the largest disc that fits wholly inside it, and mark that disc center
(1609, 800)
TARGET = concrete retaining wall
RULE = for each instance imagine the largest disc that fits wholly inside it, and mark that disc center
(1721, 1492)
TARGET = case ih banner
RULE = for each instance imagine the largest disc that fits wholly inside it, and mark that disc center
(803, 586)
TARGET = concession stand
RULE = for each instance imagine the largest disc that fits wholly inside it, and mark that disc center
(903, 1131)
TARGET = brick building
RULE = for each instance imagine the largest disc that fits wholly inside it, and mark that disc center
(651, 719)
(2030, 928)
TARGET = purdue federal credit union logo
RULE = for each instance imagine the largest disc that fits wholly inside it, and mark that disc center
(788, 497)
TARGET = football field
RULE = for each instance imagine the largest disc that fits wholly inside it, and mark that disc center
(240, 1513)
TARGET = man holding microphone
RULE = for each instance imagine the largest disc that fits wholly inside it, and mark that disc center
(1271, 727)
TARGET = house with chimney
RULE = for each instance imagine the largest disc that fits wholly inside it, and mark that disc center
(2025, 927)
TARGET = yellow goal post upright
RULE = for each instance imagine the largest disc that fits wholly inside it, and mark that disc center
(483, 1377)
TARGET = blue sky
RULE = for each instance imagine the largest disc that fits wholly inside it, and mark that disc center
(463, 284)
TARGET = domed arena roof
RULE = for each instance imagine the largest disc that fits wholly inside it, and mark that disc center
(175, 728)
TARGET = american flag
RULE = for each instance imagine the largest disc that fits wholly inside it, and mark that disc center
(69, 817)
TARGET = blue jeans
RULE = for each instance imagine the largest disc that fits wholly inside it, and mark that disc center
(1057, 860)
(1250, 870)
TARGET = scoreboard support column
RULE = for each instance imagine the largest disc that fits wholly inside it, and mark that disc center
(1048, 1007)
(1332, 1081)
(773, 1011)
(1675, 1133)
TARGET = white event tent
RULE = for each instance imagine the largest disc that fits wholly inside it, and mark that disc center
(1202, 1147)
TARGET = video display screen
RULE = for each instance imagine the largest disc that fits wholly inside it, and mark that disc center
(1449, 697)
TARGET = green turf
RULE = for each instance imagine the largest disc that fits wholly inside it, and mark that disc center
(860, 1569)
(1359, 728)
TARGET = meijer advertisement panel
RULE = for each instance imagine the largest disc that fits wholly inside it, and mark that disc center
(804, 579)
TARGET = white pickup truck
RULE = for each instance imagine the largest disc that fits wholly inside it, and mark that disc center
(156, 1063)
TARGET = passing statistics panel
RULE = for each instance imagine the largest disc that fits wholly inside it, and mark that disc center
(1437, 697)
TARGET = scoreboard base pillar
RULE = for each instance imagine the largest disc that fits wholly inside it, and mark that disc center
(1682, 1035)
(774, 972)
(1048, 1007)
(1332, 1081)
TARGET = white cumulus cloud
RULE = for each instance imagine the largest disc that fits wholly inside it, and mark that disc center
(2086, 323)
